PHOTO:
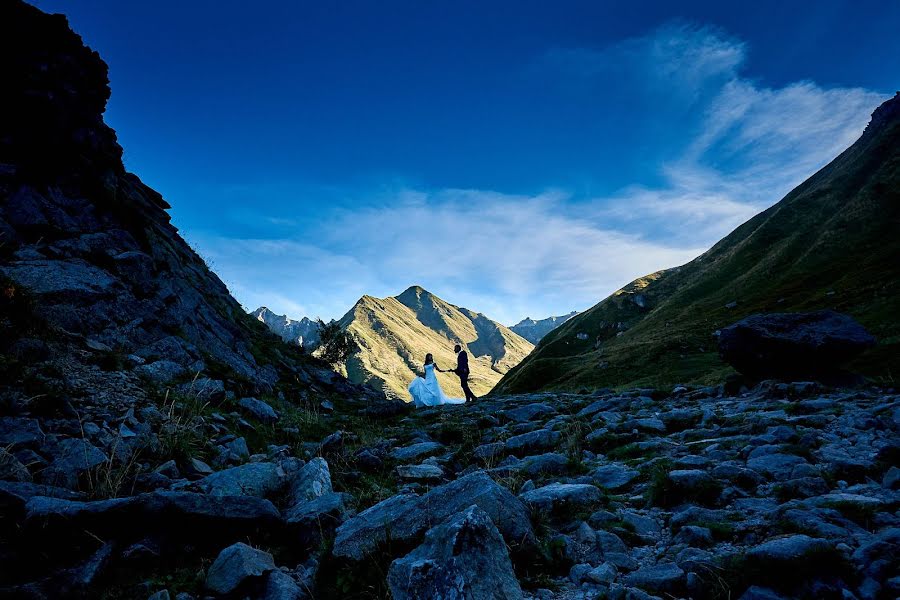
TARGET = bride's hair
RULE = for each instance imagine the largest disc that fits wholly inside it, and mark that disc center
(429, 359)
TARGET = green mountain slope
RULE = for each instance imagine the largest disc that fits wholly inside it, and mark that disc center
(394, 335)
(833, 242)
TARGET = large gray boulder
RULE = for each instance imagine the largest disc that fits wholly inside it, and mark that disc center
(15, 431)
(558, 496)
(527, 443)
(235, 565)
(71, 458)
(252, 479)
(310, 482)
(259, 410)
(796, 346)
(406, 517)
(463, 558)
(614, 477)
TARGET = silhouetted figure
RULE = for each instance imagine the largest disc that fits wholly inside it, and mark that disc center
(462, 370)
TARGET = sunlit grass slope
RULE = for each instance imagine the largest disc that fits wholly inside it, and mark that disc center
(394, 335)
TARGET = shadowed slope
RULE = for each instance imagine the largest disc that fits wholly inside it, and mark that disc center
(833, 242)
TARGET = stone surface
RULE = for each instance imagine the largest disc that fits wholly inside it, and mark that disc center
(408, 516)
(259, 410)
(235, 565)
(464, 557)
(560, 496)
(793, 345)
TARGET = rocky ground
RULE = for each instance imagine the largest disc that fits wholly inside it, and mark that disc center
(782, 491)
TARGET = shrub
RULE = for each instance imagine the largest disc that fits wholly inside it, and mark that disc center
(335, 344)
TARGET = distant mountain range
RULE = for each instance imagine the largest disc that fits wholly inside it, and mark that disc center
(534, 331)
(833, 242)
(394, 334)
(304, 332)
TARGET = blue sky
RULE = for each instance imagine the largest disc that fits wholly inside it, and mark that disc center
(517, 158)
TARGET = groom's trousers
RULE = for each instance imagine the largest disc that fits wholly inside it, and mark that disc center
(464, 382)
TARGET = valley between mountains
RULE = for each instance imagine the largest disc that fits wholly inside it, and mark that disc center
(727, 429)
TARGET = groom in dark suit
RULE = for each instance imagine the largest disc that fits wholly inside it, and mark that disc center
(462, 370)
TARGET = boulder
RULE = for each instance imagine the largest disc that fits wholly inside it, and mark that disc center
(310, 482)
(423, 472)
(71, 458)
(529, 412)
(614, 477)
(464, 557)
(235, 565)
(16, 432)
(417, 450)
(253, 479)
(665, 578)
(407, 517)
(777, 466)
(794, 346)
(259, 410)
(790, 553)
(550, 463)
(526, 443)
(559, 496)
(161, 371)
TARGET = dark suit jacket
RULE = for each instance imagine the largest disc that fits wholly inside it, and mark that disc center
(462, 364)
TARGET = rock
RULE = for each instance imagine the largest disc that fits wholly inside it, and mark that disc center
(281, 586)
(17, 432)
(604, 574)
(665, 578)
(755, 592)
(316, 519)
(559, 496)
(199, 467)
(464, 557)
(649, 425)
(408, 516)
(176, 513)
(489, 452)
(259, 410)
(541, 439)
(71, 458)
(776, 466)
(253, 479)
(528, 412)
(614, 477)
(11, 469)
(204, 389)
(310, 482)
(161, 371)
(788, 552)
(793, 345)
(543, 464)
(689, 485)
(415, 451)
(423, 472)
(692, 535)
(891, 479)
(235, 565)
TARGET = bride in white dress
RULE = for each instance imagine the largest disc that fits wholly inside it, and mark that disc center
(428, 392)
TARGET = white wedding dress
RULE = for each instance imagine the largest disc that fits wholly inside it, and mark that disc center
(428, 392)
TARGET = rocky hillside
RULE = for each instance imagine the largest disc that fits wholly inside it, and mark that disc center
(534, 331)
(303, 332)
(832, 243)
(394, 335)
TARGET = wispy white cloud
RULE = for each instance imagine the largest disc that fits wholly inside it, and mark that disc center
(745, 145)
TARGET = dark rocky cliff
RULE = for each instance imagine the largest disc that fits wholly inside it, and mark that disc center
(90, 243)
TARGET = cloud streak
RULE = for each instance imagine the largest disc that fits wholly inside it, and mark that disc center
(745, 145)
